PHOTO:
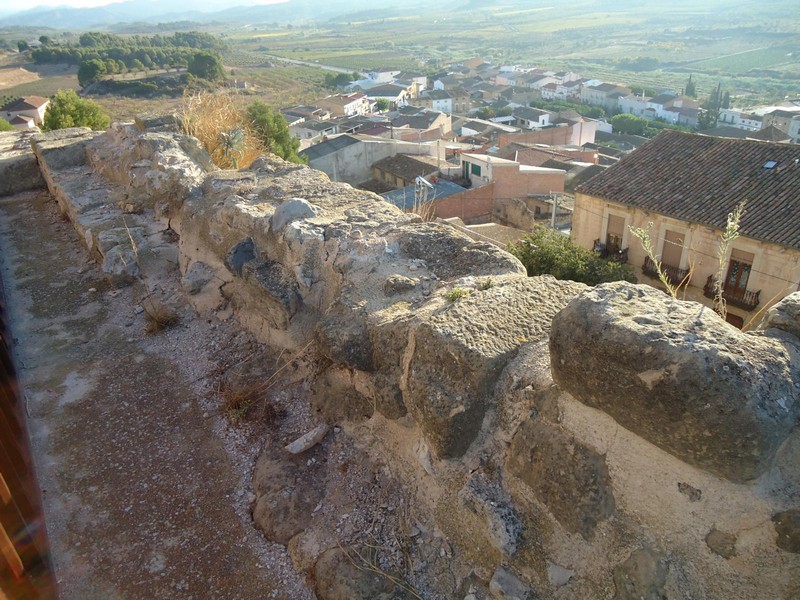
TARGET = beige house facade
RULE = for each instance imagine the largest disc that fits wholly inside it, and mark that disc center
(25, 113)
(686, 185)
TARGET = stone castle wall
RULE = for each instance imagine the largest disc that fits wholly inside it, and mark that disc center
(568, 442)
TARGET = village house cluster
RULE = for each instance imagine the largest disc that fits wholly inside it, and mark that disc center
(499, 176)
(466, 146)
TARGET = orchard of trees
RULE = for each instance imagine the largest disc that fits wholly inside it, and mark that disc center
(100, 54)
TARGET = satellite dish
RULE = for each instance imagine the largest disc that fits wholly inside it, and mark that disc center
(420, 181)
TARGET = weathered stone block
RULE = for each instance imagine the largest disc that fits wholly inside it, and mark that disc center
(286, 495)
(676, 374)
(568, 477)
(277, 290)
(507, 586)
(197, 277)
(19, 172)
(641, 577)
(335, 397)
(721, 543)
(338, 577)
(63, 148)
(487, 499)
(399, 284)
(344, 338)
(293, 209)
(451, 254)
(242, 253)
(787, 526)
(460, 351)
(785, 316)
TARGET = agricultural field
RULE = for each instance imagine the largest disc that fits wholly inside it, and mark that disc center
(45, 85)
(19, 77)
(281, 84)
(757, 61)
(753, 53)
(749, 60)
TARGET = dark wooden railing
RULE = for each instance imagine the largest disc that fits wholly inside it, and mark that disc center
(675, 275)
(614, 253)
(25, 569)
(744, 299)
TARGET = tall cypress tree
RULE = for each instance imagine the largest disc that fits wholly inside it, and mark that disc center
(691, 91)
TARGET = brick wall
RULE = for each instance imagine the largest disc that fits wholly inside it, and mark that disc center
(511, 183)
(471, 205)
(576, 135)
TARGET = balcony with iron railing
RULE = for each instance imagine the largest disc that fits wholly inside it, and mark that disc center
(611, 252)
(675, 275)
(738, 297)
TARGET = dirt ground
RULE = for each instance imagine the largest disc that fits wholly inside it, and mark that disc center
(146, 486)
(11, 76)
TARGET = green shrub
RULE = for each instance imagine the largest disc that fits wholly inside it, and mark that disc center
(456, 293)
(68, 110)
(547, 252)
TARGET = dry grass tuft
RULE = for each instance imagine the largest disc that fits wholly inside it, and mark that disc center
(244, 388)
(158, 315)
(247, 400)
(212, 117)
(425, 210)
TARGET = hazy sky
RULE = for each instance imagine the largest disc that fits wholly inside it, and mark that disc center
(91, 3)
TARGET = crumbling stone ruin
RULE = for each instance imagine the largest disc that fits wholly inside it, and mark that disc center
(554, 440)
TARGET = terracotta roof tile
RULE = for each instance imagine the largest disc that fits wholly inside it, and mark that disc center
(701, 179)
(27, 103)
(406, 166)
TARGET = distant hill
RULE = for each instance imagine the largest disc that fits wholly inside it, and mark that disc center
(151, 11)
(303, 11)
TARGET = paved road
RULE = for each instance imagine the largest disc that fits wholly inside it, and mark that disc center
(309, 63)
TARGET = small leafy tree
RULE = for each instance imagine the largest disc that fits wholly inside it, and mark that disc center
(548, 252)
(382, 104)
(91, 71)
(136, 65)
(5, 125)
(271, 129)
(66, 109)
(629, 124)
(339, 80)
(487, 112)
(206, 65)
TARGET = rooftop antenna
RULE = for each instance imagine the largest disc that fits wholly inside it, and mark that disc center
(421, 188)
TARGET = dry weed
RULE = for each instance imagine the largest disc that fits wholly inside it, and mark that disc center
(213, 117)
(425, 210)
(158, 315)
(247, 400)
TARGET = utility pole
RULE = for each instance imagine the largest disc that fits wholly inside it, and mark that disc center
(554, 197)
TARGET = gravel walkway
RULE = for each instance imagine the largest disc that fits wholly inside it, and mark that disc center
(145, 488)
